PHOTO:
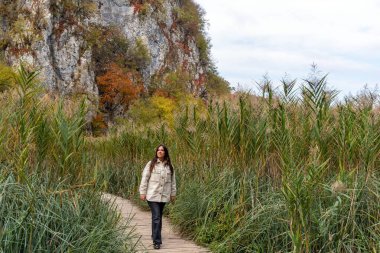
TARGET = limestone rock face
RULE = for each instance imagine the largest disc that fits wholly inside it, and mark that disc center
(55, 43)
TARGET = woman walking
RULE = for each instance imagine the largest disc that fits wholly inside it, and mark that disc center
(158, 187)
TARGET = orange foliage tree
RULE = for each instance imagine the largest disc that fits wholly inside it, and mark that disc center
(117, 88)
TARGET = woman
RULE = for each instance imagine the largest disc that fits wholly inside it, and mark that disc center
(158, 187)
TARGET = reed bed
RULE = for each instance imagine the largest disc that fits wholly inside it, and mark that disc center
(49, 198)
(292, 170)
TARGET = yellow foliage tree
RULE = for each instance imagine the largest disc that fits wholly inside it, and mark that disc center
(153, 111)
(165, 108)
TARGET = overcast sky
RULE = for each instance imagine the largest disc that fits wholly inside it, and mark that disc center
(275, 37)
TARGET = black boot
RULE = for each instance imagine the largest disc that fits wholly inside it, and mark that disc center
(156, 246)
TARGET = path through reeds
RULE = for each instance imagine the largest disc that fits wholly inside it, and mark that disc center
(141, 220)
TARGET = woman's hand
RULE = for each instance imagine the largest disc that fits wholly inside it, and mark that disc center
(143, 197)
(172, 199)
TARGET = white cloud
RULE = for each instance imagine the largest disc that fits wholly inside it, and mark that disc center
(251, 38)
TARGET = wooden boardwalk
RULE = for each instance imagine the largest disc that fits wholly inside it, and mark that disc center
(171, 241)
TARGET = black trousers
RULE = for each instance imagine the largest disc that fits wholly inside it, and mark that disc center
(157, 208)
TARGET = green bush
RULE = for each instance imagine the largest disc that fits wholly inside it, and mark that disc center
(216, 85)
(109, 45)
(6, 77)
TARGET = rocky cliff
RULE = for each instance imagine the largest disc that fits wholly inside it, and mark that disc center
(71, 41)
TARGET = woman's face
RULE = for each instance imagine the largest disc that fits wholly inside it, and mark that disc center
(160, 152)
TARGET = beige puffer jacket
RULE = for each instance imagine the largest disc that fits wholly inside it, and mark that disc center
(159, 185)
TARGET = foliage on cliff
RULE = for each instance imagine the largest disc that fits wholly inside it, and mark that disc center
(120, 64)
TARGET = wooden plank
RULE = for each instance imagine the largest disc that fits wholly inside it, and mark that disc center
(141, 221)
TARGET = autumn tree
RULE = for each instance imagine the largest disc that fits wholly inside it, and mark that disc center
(117, 88)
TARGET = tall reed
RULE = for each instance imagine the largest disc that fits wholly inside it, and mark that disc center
(49, 202)
(292, 170)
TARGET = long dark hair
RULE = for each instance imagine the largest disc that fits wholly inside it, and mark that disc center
(166, 159)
